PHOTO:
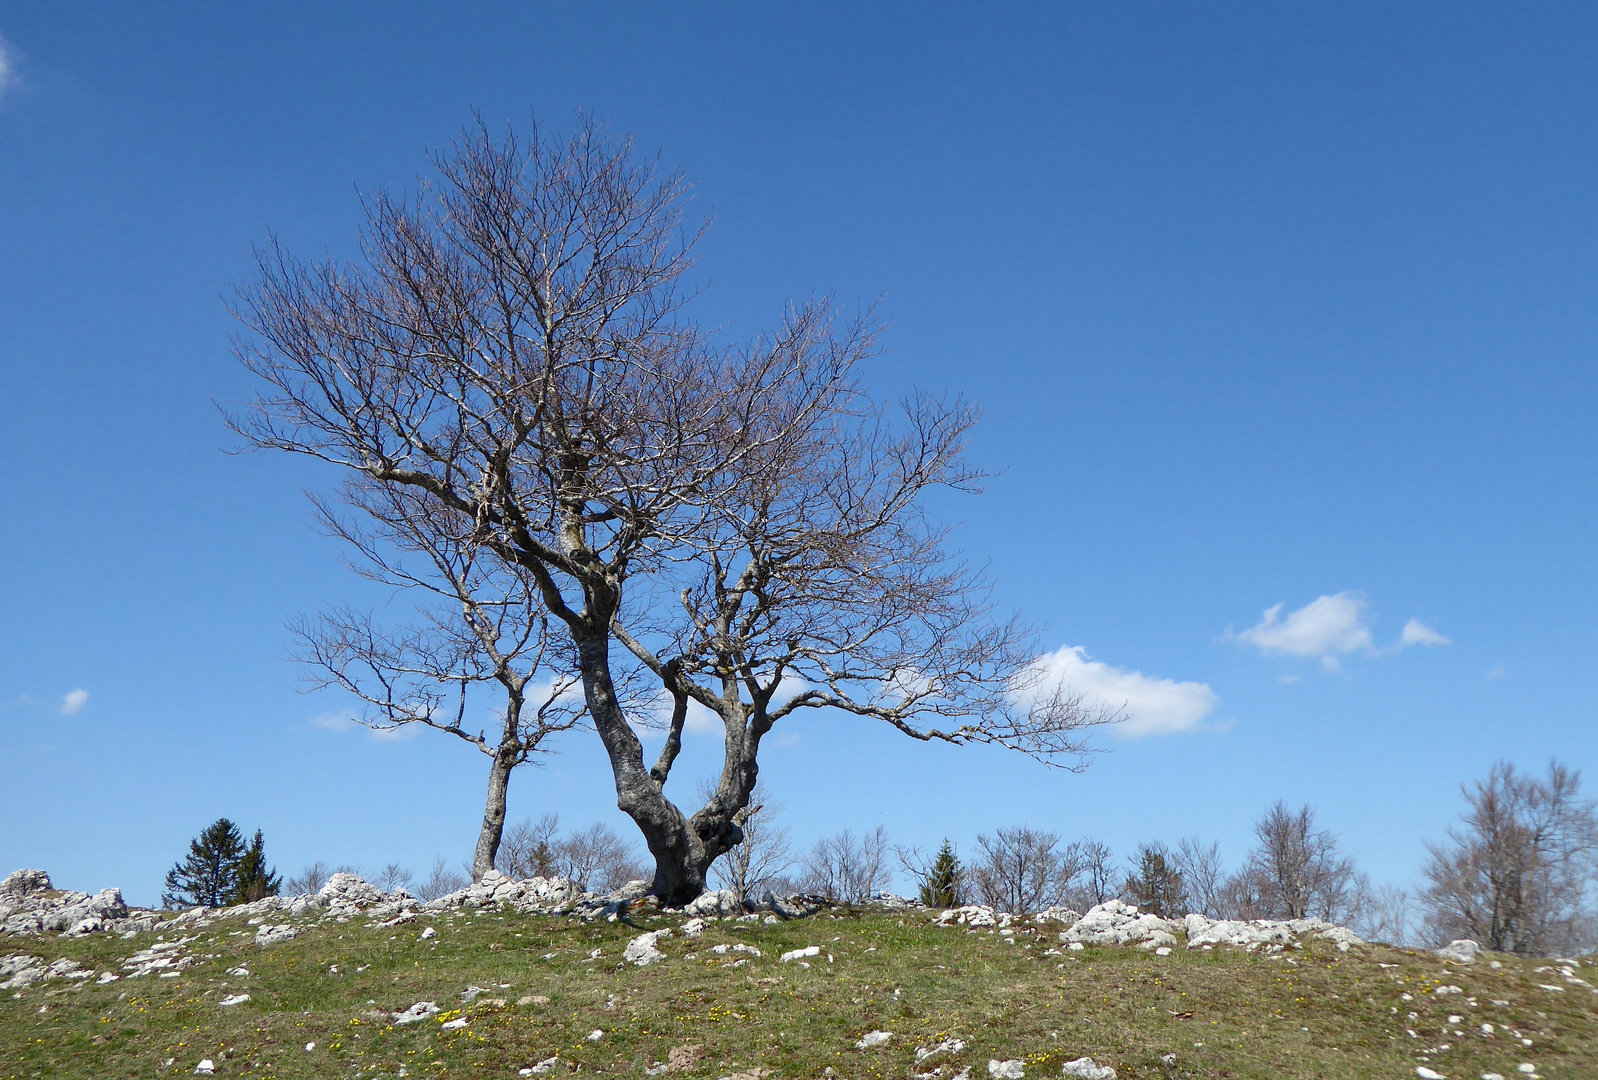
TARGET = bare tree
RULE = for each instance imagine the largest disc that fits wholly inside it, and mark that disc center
(1519, 875)
(309, 881)
(1381, 912)
(511, 356)
(750, 866)
(598, 858)
(393, 876)
(528, 849)
(1296, 868)
(1203, 875)
(848, 869)
(441, 881)
(1023, 870)
(1095, 881)
(479, 624)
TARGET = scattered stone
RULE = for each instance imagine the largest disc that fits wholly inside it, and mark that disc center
(274, 935)
(1427, 1074)
(872, 1039)
(236, 999)
(1087, 1069)
(800, 954)
(947, 1046)
(641, 950)
(1444, 990)
(545, 1066)
(595, 1035)
(693, 927)
(206, 1067)
(422, 1010)
(1460, 951)
(1010, 1069)
(429, 934)
(453, 1025)
(739, 947)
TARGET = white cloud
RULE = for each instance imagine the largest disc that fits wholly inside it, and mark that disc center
(1153, 706)
(1418, 633)
(1324, 627)
(73, 701)
(8, 67)
(345, 721)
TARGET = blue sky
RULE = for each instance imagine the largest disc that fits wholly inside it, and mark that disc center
(1265, 305)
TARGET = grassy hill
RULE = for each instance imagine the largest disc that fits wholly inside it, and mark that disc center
(320, 1005)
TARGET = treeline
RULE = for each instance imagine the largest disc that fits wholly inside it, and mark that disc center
(1518, 873)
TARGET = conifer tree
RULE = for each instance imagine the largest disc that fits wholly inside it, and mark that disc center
(255, 880)
(209, 874)
(1156, 886)
(941, 889)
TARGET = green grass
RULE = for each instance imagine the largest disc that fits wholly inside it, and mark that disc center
(1223, 1013)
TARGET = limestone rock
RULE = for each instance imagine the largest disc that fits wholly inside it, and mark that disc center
(1117, 923)
(641, 950)
(1086, 1068)
(872, 1039)
(274, 935)
(1461, 951)
(1010, 1069)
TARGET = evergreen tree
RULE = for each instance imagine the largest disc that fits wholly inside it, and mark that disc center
(210, 873)
(1157, 886)
(254, 880)
(942, 885)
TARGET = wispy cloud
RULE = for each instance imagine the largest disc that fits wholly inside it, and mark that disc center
(8, 67)
(1418, 633)
(345, 721)
(1154, 706)
(1326, 626)
(73, 702)
(1329, 628)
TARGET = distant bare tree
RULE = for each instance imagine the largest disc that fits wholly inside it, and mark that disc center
(848, 869)
(528, 849)
(1519, 874)
(1381, 912)
(1296, 869)
(598, 858)
(510, 364)
(1203, 874)
(441, 881)
(310, 879)
(1155, 884)
(1095, 882)
(750, 866)
(393, 876)
(1023, 870)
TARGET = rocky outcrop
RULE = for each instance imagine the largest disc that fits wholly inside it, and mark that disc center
(1271, 934)
(1117, 923)
(30, 905)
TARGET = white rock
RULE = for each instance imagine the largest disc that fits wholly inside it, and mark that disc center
(545, 1066)
(641, 949)
(1527, 1068)
(1116, 923)
(715, 902)
(1443, 990)
(693, 927)
(595, 1035)
(275, 935)
(873, 1039)
(453, 1025)
(1427, 1074)
(422, 1010)
(800, 954)
(1088, 1069)
(947, 1046)
(428, 934)
(309, 1047)
(236, 999)
(1461, 951)
(205, 1068)
(1011, 1069)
